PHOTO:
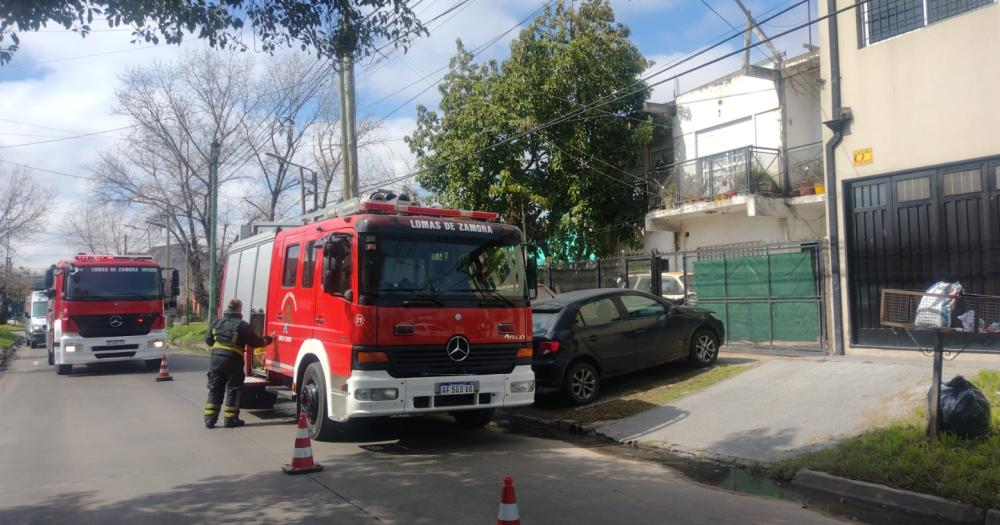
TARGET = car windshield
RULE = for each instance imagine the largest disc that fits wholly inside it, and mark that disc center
(439, 270)
(542, 321)
(39, 308)
(101, 283)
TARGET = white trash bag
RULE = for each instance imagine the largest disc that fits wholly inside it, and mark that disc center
(935, 310)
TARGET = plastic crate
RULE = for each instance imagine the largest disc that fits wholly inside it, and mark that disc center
(969, 313)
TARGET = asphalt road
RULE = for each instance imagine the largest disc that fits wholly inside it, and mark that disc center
(109, 444)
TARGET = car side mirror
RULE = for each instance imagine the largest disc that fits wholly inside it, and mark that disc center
(175, 285)
(331, 278)
(50, 293)
(50, 277)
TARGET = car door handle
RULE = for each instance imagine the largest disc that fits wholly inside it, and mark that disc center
(278, 317)
(641, 331)
(319, 319)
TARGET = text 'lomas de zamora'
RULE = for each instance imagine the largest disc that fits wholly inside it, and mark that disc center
(423, 224)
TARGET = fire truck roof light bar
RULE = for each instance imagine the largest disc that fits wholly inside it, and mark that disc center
(85, 257)
(356, 206)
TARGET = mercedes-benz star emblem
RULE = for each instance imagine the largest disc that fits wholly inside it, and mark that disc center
(116, 321)
(458, 348)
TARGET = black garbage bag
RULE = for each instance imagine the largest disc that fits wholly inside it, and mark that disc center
(965, 411)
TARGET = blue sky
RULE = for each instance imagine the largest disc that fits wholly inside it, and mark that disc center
(61, 85)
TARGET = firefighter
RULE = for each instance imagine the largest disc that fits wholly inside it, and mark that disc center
(227, 337)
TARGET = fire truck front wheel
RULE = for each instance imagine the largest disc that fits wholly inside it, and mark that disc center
(152, 364)
(312, 400)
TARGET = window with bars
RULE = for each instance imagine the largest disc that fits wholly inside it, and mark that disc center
(884, 19)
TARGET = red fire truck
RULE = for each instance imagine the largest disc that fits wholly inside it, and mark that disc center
(107, 308)
(382, 307)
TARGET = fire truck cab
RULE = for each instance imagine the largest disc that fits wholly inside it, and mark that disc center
(105, 308)
(385, 308)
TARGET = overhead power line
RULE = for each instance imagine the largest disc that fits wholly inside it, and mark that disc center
(618, 94)
(60, 139)
(44, 170)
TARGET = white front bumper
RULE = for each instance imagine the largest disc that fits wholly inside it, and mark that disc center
(85, 352)
(417, 395)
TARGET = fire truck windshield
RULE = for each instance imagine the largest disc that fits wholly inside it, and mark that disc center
(440, 270)
(105, 283)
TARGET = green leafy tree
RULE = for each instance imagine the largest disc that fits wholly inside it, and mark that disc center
(566, 184)
(326, 27)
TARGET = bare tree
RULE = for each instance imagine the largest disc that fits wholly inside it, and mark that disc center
(327, 155)
(163, 169)
(105, 229)
(24, 204)
(294, 96)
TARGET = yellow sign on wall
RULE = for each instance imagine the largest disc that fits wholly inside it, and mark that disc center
(863, 157)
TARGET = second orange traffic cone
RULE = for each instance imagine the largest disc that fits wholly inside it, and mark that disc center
(508, 504)
(164, 371)
(302, 457)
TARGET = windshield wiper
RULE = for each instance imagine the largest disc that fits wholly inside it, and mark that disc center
(489, 297)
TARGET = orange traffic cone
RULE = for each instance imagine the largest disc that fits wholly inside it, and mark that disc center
(302, 457)
(508, 504)
(164, 372)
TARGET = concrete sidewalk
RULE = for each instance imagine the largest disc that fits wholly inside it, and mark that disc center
(787, 406)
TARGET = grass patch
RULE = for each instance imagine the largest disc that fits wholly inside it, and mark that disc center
(8, 334)
(901, 456)
(190, 337)
(640, 401)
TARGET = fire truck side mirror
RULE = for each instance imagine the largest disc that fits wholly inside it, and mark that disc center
(50, 277)
(175, 284)
(531, 271)
(50, 293)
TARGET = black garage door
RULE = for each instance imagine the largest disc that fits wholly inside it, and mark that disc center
(910, 230)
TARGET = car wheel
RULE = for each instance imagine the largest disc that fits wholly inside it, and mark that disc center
(473, 418)
(312, 401)
(704, 348)
(582, 383)
(64, 370)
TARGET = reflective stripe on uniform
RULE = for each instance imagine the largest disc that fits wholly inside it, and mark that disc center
(232, 411)
(226, 346)
(211, 410)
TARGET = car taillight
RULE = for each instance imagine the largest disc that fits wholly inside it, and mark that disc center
(548, 347)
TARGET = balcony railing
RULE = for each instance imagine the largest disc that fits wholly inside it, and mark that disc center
(749, 170)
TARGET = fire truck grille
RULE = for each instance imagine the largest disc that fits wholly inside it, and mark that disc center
(103, 325)
(431, 361)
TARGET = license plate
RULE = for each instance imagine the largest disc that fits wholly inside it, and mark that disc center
(447, 389)
(113, 342)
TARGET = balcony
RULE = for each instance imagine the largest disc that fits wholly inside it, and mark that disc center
(709, 182)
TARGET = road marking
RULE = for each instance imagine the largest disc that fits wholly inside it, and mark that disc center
(35, 363)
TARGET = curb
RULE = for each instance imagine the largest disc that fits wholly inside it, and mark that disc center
(903, 501)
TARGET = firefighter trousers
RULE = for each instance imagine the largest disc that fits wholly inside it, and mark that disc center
(225, 378)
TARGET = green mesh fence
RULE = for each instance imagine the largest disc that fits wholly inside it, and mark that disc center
(743, 292)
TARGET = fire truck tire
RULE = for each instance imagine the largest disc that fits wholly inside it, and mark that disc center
(473, 418)
(152, 364)
(64, 370)
(312, 400)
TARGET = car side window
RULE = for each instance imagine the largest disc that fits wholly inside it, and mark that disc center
(602, 311)
(639, 306)
(291, 266)
(671, 286)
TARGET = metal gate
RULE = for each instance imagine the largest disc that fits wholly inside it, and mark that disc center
(913, 229)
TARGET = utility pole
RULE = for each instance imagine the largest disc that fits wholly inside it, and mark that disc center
(213, 192)
(348, 129)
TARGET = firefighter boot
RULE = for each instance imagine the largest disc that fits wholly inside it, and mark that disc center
(232, 419)
(211, 415)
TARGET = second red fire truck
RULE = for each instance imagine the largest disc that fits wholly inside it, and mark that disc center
(382, 307)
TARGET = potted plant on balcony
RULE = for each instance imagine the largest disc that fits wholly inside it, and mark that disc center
(761, 182)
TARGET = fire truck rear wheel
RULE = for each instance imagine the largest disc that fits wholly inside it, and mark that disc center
(152, 364)
(312, 400)
(64, 370)
(473, 418)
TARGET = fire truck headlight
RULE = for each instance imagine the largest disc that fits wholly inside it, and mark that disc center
(520, 387)
(158, 343)
(376, 394)
(70, 348)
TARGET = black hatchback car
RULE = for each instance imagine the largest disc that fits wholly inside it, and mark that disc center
(581, 338)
